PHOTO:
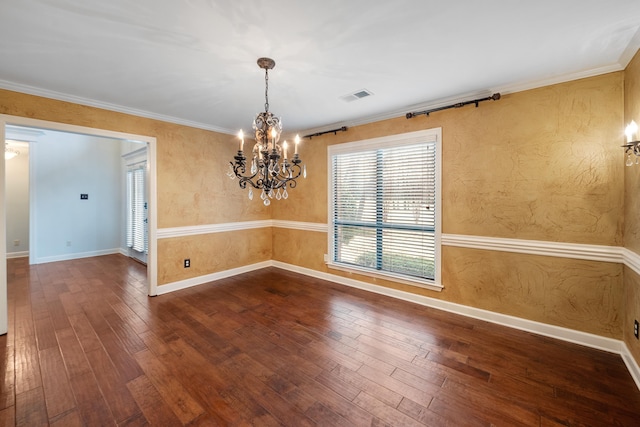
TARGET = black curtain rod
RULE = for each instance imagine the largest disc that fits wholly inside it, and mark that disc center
(334, 131)
(493, 97)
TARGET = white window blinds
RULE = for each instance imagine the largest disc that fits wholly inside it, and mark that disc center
(136, 211)
(384, 206)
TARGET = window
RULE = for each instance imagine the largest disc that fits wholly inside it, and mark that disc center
(384, 207)
(136, 211)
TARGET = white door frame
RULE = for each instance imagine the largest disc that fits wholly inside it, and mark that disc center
(152, 269)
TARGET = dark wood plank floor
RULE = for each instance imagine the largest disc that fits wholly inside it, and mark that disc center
(86, 346)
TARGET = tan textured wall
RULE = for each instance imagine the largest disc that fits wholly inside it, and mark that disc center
(631, 308)
(302, 248)
(542, 164)
(632, 209)
(210, 253)
(191, 164)
(193, 188)
(307, 202)
(632, 173)
(575, 294)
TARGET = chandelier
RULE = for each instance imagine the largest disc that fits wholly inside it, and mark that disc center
(267, 172)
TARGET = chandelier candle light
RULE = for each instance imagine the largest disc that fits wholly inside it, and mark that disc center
(267, 172)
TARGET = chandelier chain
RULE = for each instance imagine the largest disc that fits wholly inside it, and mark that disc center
(266, 90)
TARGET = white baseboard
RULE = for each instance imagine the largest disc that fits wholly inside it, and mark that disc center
(22, 254)
(79, 255)
(194, 281)
(577, 337)
(632, 365)
(565, 334)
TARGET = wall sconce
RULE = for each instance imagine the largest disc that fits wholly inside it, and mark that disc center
(633, 145)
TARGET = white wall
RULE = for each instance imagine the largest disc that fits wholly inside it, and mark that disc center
(66, 227)
(17, 202)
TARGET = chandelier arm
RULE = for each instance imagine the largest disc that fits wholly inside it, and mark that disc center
(239, 168)
(246, 177)
(280, 180)
(244, 181)
(296, 171)
(292, 183)
(283, 184)
(261, 183)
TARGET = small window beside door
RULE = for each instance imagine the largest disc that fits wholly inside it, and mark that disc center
(136, 211)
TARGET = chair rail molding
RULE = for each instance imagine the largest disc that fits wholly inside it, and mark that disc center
(583, 251)
(537, 247)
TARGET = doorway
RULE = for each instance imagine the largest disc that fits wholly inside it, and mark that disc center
(136, 205)
(150, 194)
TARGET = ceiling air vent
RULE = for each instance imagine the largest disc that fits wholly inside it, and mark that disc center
(362, 93)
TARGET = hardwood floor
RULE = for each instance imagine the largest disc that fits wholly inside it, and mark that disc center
(86, 346)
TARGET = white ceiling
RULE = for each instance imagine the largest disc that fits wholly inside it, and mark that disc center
(194, 61)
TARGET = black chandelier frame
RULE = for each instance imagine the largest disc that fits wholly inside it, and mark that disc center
(267, 172)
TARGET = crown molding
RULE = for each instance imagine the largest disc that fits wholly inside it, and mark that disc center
(631, 50)
(535, 84)
(502, 89)
(399, 112)
(31, 90)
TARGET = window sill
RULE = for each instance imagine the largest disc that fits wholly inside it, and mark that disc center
(424, 284)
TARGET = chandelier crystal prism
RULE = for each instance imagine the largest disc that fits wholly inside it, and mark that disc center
(267, 172)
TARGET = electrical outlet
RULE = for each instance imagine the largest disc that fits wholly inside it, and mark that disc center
(636, 331)
(16, 243)
(68, 242)
(187, 263)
